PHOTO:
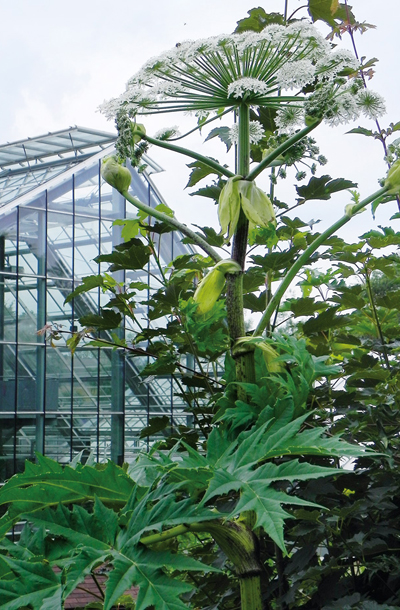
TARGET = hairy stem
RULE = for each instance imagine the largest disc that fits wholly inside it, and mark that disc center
(305, 257)
(172, 222)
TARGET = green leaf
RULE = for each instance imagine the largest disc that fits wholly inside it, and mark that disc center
(362, 131)
(48, 484)
(156, 424)
(212, 192)
(97, 530)
(257, 20)
(200, 170)
(223, 133)
(255, 303)
(88, 283)
(324, 321)
(35, 585)
(108, 320)
(381, 239)
(305, 306)
(212, 237)
(236, 468)
(328, 11)
(130, 255)
(322, 188)
(141, 567)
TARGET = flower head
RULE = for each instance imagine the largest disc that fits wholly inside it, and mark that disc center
(256, 132)
(372, 104)
(208, 75)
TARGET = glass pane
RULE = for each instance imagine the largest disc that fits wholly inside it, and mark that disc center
(59, 245)
(87, 191)
(86, 246)
(32, 232)
(60, 198)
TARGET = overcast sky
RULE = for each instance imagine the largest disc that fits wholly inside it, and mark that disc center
(60, 60)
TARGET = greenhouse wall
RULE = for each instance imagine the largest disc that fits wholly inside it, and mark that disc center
(56, 216)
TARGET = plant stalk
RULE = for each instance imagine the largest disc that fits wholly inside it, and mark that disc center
(234, 283)
(197, 239)
(219, 169)
(305, 257)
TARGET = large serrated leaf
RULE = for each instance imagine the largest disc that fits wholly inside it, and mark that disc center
(48, 484)
(35, 585)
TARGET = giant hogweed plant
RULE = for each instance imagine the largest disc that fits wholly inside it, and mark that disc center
(199, 520)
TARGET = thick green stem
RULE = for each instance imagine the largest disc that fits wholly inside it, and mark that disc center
(305, 257)
(250, 593)
(234, 283)
(190, 153)
(279, 151)
(197, 239)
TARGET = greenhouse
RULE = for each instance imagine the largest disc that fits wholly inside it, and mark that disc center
(56, 216)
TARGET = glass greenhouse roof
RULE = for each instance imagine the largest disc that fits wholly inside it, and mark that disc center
(27, 164)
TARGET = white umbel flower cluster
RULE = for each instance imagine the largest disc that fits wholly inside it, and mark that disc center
(242, 87)
(256, 132)
(269, 69)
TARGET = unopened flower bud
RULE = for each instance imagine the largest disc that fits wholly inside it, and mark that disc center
(115, 174)
(255, 204)
(138, 131)
(229, 207)
(240, 194)
(393, 178)
(211, 286)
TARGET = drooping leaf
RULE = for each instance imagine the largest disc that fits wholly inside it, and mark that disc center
(108, 320)
(329, 11)
(211, 192)
(156, 424)
(223, 133)
(88, 283)
(200, 170)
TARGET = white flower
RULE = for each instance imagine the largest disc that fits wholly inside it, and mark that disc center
(288, 118)
(344, 109)
(295, 74)
(167, 133)
(208, 75)
(330, 64)
(372, 104)
(240, 87)
(256, 132)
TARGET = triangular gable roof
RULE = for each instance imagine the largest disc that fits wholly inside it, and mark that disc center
(28, 166)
